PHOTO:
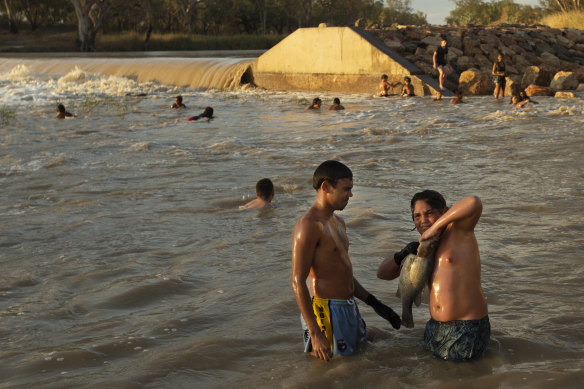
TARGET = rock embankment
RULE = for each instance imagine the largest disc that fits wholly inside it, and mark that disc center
(540, 59)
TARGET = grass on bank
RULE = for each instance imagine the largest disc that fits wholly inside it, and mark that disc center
(573, 19)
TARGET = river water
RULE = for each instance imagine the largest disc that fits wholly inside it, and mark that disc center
(126, 261)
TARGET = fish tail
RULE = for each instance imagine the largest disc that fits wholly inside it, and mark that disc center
(407, 318)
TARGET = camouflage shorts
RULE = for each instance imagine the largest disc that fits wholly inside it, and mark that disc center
(458, 340)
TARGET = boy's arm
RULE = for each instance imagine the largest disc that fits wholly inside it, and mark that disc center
(304, 240)
(465, 214)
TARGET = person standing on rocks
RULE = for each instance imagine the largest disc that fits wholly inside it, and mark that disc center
(440, 59)
(499, 74)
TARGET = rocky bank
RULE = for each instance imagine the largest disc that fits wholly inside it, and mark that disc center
(540, 59)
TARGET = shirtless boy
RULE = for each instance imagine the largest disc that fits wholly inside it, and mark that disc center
(408, 88)
(320, 253)
(337, 106)
(178, 103)
(457, 99)
(62, 113)
(265, 194)
(316, 103)
(385, 86)
(459, 328)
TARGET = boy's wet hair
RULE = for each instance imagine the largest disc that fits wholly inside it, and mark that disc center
(264, 188)
(330, 171)
(207, 113)
(434, 199)
(337, 100)
(408, 79)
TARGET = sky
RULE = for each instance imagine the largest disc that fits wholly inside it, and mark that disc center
(437, 10)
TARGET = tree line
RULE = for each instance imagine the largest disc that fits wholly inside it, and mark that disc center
(229, 17)
(507, 11)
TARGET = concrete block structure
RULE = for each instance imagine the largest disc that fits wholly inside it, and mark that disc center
(335, 59)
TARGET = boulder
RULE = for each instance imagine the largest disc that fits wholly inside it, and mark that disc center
(465, 62)
(433, 40)
(535, 75)
(550, 60)
(564, 41)
(564, 81)
(564, 95)
(394, 45)
(453, 52)
(537, 90)
(469, 43)
(506, 51)
(454, 41)
(511, 70)
(421, 52)
(512, 86)
(473, 82)
(580, 88)
(575, 36)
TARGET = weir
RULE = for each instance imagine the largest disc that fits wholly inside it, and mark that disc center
(336, 59)
(197, 73)
(325, 59)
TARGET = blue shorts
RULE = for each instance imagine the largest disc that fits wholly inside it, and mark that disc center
(457, 340)
(340, 321)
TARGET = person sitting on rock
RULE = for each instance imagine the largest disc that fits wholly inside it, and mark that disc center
(385, 86)
(408, 88)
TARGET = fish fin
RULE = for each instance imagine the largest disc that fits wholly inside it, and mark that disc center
(425, 295)
(398, 293)
(407, 318)
(418, 299)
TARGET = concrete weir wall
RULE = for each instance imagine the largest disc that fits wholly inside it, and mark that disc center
(335, 59)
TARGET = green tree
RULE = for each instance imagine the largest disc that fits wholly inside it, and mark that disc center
(400, 12)
(502, 11)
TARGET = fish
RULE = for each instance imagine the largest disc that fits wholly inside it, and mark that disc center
(414, 276)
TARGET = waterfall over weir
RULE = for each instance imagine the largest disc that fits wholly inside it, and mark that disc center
(197, 73)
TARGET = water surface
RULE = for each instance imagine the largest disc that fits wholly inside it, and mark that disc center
(126, 261)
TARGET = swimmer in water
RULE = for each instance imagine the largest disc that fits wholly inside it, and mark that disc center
(315, 104)
(265, 193)
(336, 105)
(457, 99)
(521, 100)
(62, 113)
(207, 113)
(178, 104)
